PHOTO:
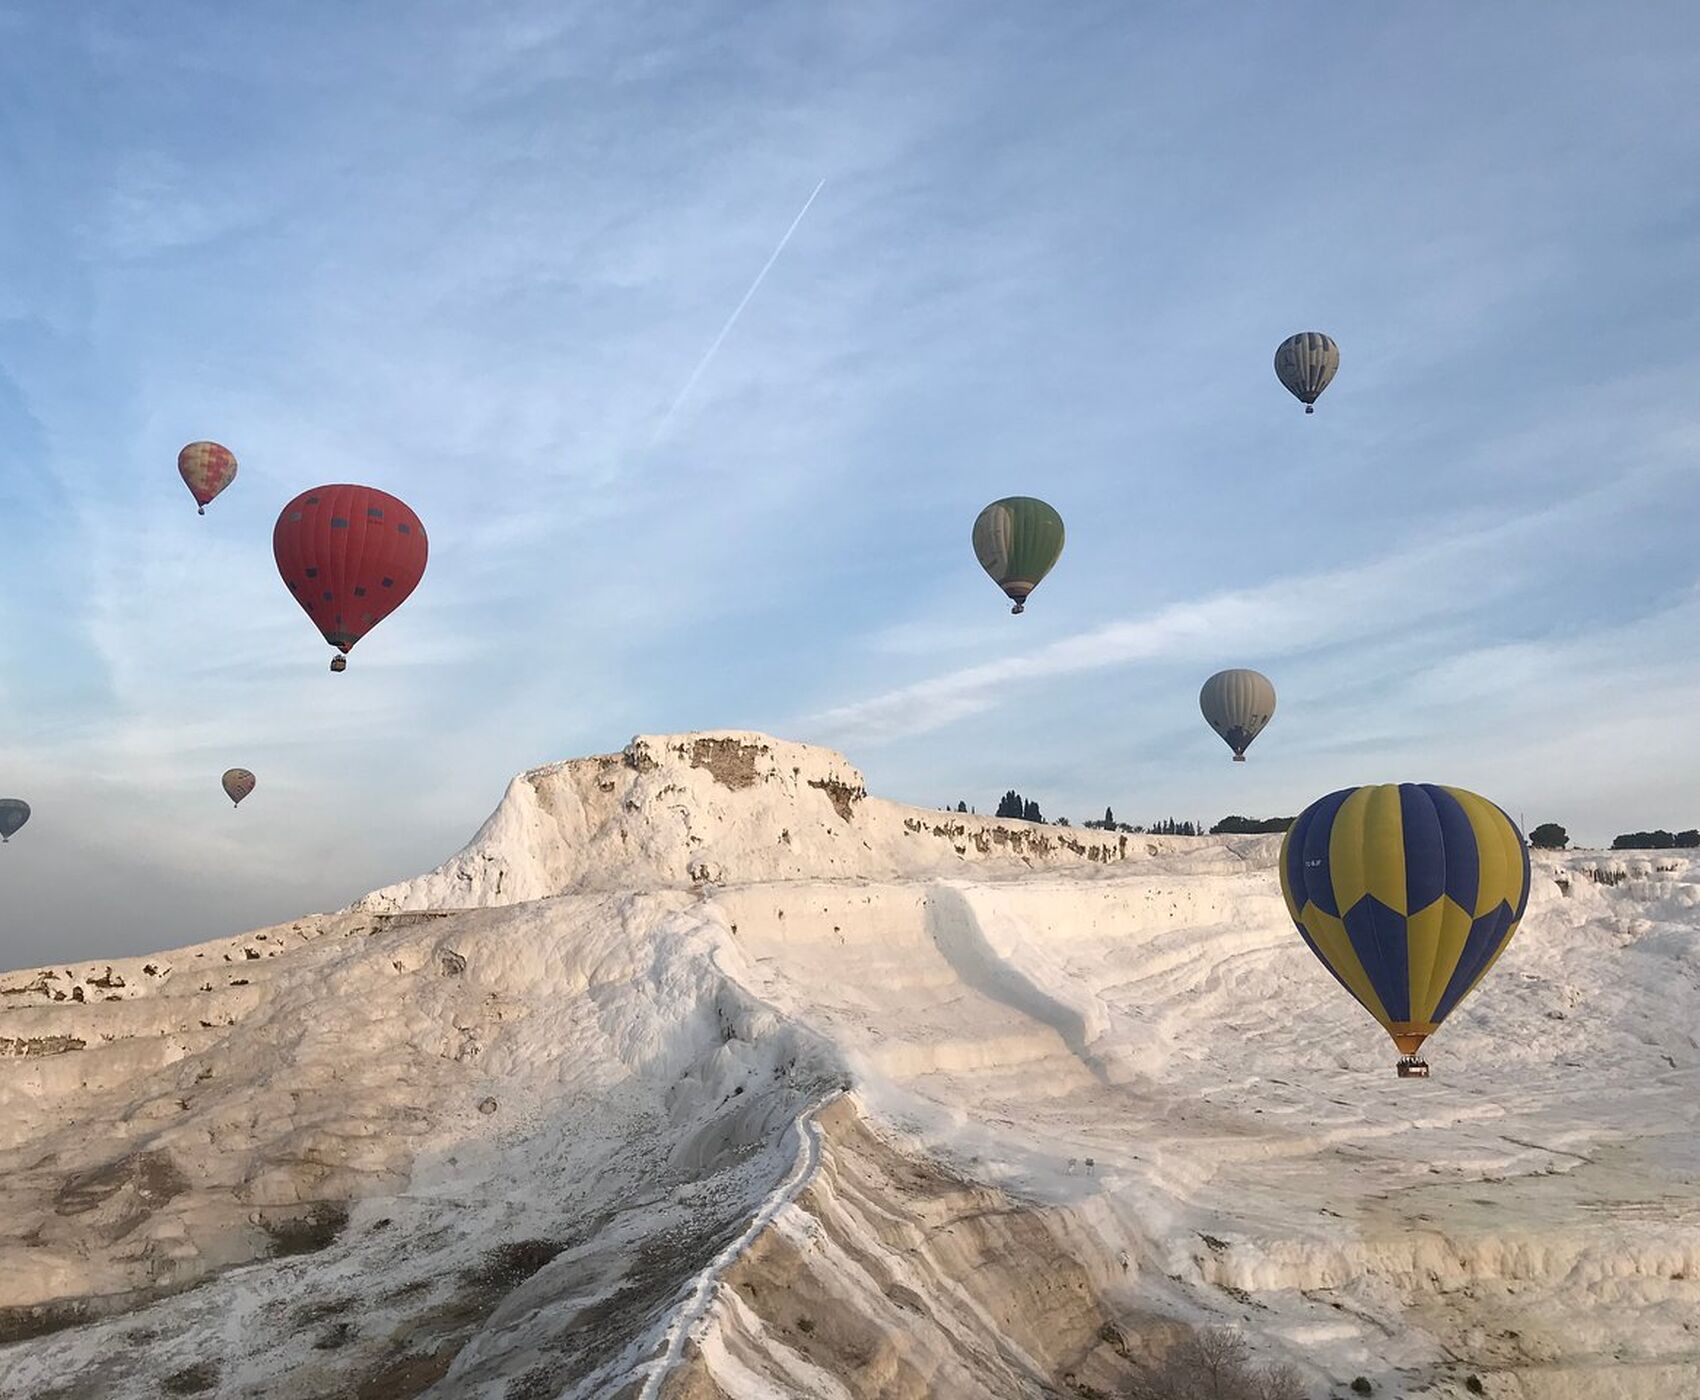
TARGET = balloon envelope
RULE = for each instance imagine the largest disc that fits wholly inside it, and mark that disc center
(1306, 363)
(207, 468)
(14, 812)
(238, 783)
(1407, 893)
(1017, 540)
(350, 555)
(1237, 704)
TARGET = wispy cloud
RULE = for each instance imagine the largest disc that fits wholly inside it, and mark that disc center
(1383, 597)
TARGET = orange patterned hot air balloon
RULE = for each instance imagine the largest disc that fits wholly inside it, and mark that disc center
(207, 469)
(350, 555)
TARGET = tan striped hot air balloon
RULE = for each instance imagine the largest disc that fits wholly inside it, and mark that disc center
(238, 783)
(1237, 704)
(206, 468)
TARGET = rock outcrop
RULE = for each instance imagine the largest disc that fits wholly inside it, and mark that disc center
(730, 807)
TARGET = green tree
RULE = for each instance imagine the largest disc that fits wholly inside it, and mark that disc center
(1549, 836)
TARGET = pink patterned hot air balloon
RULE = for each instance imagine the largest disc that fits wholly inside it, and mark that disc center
(207, 469)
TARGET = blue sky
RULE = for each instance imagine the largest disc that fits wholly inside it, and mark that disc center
(471, 255)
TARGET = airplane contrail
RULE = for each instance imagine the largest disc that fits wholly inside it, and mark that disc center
(732, 320)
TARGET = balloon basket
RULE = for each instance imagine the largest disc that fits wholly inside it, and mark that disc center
(1310, 408)
(339, 663)
(1410, 1067)
(1239, 758)
(200, 510)
(1019, 608)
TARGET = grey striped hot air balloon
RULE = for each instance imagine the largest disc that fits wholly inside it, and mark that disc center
(237, 783)
(1238, 704)
(1017, 541)
(14, 812)
(1306, 363)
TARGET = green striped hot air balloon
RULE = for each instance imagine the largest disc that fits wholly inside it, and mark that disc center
(1018, 539)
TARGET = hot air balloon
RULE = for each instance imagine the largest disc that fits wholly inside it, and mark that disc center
(14, 812)
(1017, 540)
(1407, 892)
(350, 555)
(1305, 363)
(207, 468)
(1237, 705)
(238, 783)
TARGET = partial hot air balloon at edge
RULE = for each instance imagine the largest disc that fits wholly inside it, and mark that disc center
(1017, 540)
(1237, 704)
(1306, 363)
(14, 812)
(1407, 893)
(350, 555)
(206, 468)
(237, 784)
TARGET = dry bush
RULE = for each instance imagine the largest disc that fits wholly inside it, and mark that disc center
(1216, 1365)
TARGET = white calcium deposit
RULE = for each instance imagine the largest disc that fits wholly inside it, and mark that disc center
(700, 1073)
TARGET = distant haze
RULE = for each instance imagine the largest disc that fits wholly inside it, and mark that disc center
(476, 258)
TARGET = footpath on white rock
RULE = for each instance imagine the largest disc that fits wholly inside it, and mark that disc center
(701, 1073)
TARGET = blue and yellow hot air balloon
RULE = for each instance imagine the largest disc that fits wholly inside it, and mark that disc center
(1407, 893)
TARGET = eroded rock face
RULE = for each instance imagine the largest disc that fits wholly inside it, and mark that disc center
(904, 1281)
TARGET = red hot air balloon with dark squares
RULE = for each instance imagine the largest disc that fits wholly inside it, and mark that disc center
(350, 555)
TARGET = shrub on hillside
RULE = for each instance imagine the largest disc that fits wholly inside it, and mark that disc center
(1250, 826)
(1549, 836)
(1215, 1365)
(1643, 841)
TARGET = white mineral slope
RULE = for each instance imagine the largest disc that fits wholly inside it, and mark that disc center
(549, 1121)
